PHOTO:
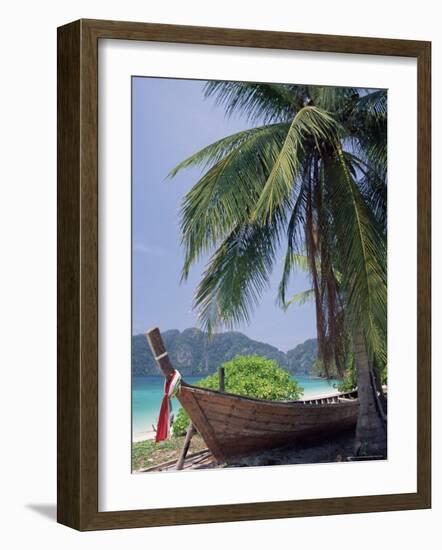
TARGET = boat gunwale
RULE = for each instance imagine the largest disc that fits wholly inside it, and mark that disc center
(290, 403)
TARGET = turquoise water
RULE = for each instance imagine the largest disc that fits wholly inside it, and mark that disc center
(147, 393)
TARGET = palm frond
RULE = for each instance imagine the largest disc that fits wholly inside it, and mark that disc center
(373, 104)
(310, 124)
(227, 193)
(371, 148)
(295, 242)
(373, 188)
(300, 298)
(236, 276)
(257, 101)
(331, 98)
(213, 153)
(361, 256)
(367, 126)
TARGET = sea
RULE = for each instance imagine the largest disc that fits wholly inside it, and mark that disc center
(147, 393)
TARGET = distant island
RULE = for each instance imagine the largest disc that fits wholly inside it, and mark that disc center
(192, 353)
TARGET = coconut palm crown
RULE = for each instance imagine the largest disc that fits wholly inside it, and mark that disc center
(311, 176)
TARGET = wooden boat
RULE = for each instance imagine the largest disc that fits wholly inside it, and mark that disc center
(233, 425)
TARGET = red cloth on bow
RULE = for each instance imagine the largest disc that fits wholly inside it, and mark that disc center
(163, 419)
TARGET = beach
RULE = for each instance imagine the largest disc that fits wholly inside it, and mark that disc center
(143, 436)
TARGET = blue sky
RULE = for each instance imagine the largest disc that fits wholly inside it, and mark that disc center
(171, 121)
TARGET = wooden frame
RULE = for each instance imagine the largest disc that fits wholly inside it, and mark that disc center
(77, 461)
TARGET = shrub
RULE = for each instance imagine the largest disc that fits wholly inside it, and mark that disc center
(180, 423)
(348, 383)
(350, 379)
(250, 376)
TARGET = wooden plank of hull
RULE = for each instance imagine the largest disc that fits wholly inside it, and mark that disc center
(233, 426)
(273, 412)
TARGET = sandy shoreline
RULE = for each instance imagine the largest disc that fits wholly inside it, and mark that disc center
(143, 436)
(333, 391)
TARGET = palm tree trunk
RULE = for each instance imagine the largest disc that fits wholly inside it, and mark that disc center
(371, 429)
(380, 391)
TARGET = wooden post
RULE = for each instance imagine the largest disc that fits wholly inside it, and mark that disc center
(159, 352)
(190, 433)
(221, 374)
(192, 430)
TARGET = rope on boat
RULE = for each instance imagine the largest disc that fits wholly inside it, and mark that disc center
(175, 384)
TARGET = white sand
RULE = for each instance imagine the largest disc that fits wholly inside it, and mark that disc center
(143, 436)
(320, 395)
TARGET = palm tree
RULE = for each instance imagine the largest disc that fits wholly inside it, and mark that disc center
(311, 175)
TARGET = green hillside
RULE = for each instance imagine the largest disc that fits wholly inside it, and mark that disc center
(192, 354)
(302, 358)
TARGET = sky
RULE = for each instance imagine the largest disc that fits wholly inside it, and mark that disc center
(171, 120)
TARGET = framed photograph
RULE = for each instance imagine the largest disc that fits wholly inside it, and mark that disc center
(243, 275)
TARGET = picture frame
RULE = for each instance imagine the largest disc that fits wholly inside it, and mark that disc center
(78, 274)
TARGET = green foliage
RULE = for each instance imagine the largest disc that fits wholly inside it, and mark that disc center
(255, 376)
(319, 370)
(180, 424)
(361, 246)
(300, 298)
(348, 383)
(226, 193)
(350, 380)
(146, 454)
(257, 101)
(250, 376)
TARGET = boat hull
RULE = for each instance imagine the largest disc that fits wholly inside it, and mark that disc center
(234, 426)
